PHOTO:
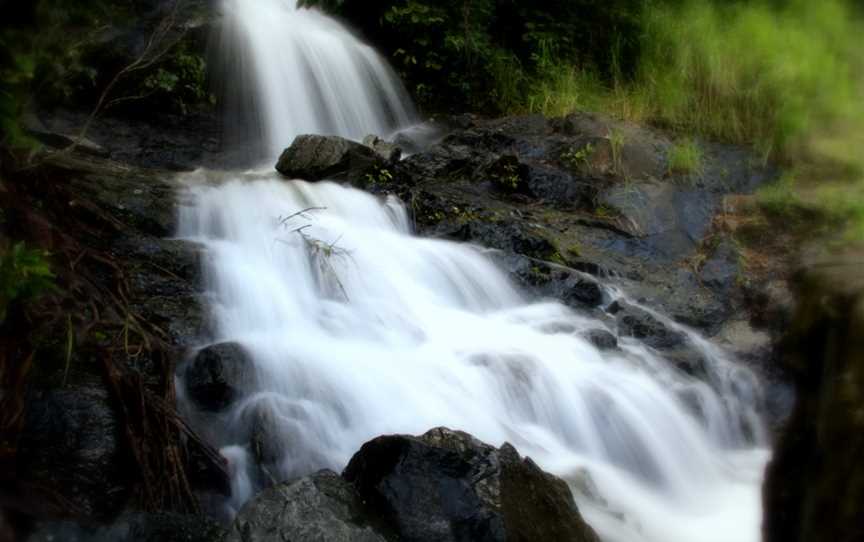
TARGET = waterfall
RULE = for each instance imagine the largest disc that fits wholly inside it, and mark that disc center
(291, 71)
(356, 327)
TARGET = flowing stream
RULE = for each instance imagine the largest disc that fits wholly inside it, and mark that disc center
(357, 328)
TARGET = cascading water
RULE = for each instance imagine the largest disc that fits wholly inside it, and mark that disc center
(291, 71)
(357, 328)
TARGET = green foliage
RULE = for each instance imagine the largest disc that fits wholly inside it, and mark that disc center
(441, 43)
(753, 72)
(685, 157)
(484, 54)
(379, 177)
(24, 274)
(180, 80)
(42, 52)
(508, 179)
(578, 158)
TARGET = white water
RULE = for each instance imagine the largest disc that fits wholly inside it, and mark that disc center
(295, 71)
(359, 328)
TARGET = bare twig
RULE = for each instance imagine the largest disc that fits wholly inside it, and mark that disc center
(285, 220)
(156, 48)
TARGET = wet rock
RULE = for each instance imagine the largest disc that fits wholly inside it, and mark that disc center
(581, 292)
(521, 125)
(318, 508)
(560, 188)
(217, 375)
(448, 486)
(814, 487)
(667, 220)
(316, 158)
(71, 441)
(183, 318)
(641, 324)
(267, 437)
(440, 163)
(143, 201)
(165, 286)
(138, 527)
(509, 236)
(721, 270)
(601, 338)
(389, 152)
(687, 360)
(626, 150)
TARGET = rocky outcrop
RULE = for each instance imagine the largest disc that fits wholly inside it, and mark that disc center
(814, 489)
(448, 486)
(315, 158)
(442, 486)
(322, 507)
(590, 194)
(98, 432)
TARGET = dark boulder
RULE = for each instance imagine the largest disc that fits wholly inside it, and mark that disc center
(814, 486)
(318, 508)
(316, 158)
(217, 375)
(601, 338)
(448, 486)
(581, 292)
(638, 323)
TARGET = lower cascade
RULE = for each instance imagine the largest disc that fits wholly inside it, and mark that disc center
(346, 326)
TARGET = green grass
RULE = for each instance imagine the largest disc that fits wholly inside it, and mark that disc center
(685, 157)
(748, 72)
(786, 79)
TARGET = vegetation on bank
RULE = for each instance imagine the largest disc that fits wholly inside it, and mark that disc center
(786, 78)
(102, 55)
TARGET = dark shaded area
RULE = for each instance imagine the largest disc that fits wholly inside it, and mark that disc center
(89, 427)
(814, 489)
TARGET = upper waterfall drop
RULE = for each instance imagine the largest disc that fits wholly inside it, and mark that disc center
(292, 71)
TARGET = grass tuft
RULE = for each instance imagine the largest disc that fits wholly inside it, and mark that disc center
(685, 157)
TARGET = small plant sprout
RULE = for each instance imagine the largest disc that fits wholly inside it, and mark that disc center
(616, 141)
(580, 158)
(379, 177)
